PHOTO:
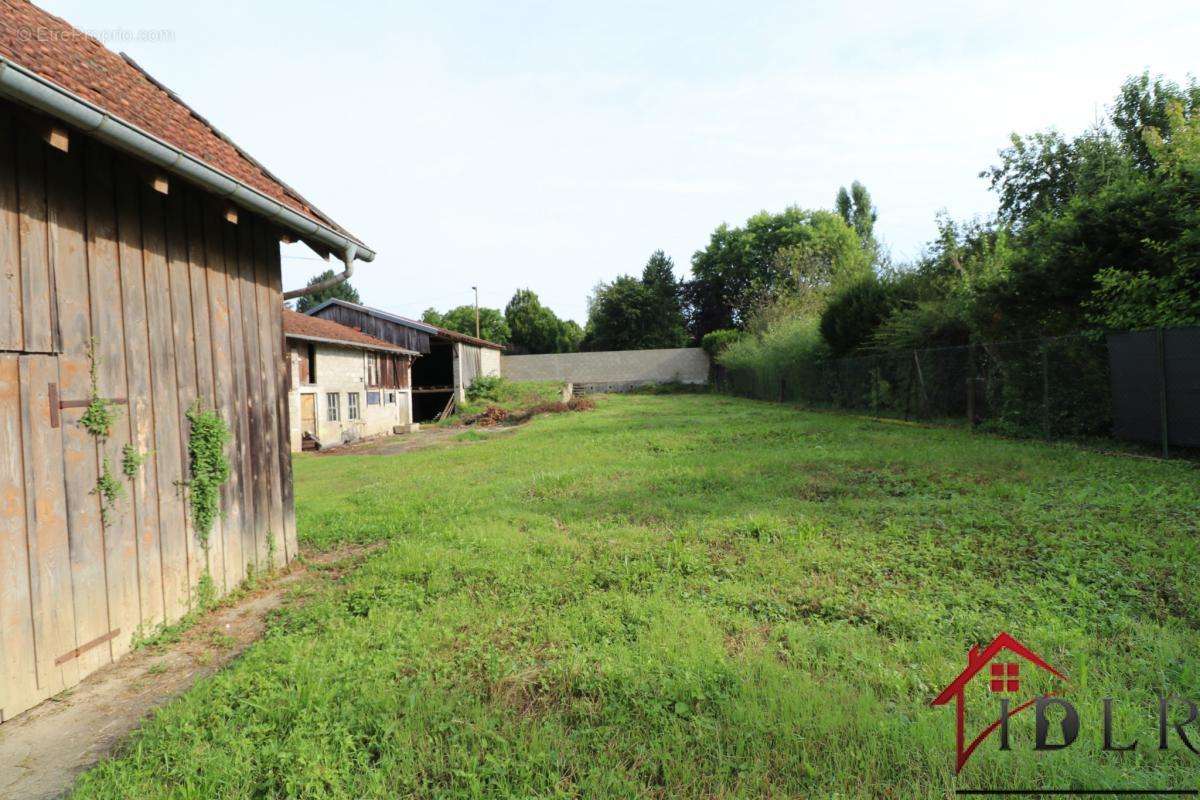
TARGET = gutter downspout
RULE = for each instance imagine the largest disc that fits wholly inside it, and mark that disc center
(347, 257)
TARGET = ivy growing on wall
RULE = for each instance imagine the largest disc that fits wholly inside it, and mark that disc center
(98, 419)
(100, 414)
(109, 489)
(132, 460)
(209, 467)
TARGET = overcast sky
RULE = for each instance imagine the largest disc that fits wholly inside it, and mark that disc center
(554, 144)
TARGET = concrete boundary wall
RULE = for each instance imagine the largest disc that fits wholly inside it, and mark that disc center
(625, 367)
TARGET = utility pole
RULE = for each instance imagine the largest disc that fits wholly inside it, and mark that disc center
(476, 288)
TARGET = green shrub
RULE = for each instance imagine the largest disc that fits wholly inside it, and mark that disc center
(775, 361)
(854, 314)
(715, 342)
(485, 387)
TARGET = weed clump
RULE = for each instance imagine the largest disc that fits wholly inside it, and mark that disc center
(109, 490)
(132, 461)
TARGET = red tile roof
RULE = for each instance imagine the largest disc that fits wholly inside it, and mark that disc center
(56, 51)
(302, 326)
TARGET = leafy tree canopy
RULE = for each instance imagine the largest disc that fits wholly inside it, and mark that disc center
(857, 210)
(534, 328)
(492, 325)
(632, 314)
(797, 252)
(342, 291)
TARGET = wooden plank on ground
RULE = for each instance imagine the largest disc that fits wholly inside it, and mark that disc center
(143, 486)
(18, 653)
(185, 365)
(255, 392)
(108, 329)
(46, 527)
(37, 284)
(12, 325)
(240, 465)
(218, 309)
(68, 252)
(206, 380)
(268, 355)
(166, 457)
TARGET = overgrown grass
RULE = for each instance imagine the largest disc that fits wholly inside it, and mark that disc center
(512, 395)
(698, 596)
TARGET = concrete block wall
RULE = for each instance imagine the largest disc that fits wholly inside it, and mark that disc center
(619, 367)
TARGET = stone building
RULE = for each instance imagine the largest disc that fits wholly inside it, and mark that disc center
(344, 385)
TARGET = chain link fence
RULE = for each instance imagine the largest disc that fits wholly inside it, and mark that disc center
(1054, 388)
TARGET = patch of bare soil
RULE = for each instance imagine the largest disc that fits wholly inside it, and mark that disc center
(44, 749)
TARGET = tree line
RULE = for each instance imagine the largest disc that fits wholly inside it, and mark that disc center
(1093, 232)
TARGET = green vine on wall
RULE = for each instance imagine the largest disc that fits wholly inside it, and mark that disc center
(109, 489)
(100, 414)
(98, 419)
(209, 467)
(132, 461)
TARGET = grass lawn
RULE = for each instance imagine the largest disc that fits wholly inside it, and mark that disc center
(699, 596)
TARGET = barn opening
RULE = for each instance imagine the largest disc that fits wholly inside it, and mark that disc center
(433, 380)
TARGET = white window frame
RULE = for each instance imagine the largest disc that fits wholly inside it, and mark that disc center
(333, 406)
(353, 407)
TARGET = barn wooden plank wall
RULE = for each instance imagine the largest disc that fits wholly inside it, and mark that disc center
(181, 305)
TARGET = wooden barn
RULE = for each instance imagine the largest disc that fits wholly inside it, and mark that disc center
(449, 360)
(139, 284)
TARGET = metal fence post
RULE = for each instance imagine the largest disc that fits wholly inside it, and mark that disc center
(924, 401)
(1162, 394)
(971, 387)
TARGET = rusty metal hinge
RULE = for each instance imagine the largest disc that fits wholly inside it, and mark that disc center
(57, 404)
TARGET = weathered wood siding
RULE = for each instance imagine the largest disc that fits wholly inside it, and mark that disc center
(180, 306)
(389, 331)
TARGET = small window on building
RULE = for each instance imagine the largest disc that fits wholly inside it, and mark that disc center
(309, 375)
(391, 398)
(372, 398)
(335, 406)
(352, 405)
(372, 369)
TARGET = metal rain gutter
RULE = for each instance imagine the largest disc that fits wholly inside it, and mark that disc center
(19, 83)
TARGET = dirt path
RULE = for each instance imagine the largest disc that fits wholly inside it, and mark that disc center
(44, 749)
(426, 437)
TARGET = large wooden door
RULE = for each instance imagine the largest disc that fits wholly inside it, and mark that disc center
(308, 414)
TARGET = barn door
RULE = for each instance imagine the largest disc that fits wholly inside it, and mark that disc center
(36, 605)
(54, 604)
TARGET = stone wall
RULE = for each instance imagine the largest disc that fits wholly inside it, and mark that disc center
(613, 369)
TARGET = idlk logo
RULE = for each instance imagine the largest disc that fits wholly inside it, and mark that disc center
(1003, 660)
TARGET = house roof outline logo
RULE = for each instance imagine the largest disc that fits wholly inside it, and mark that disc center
(976, 661)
